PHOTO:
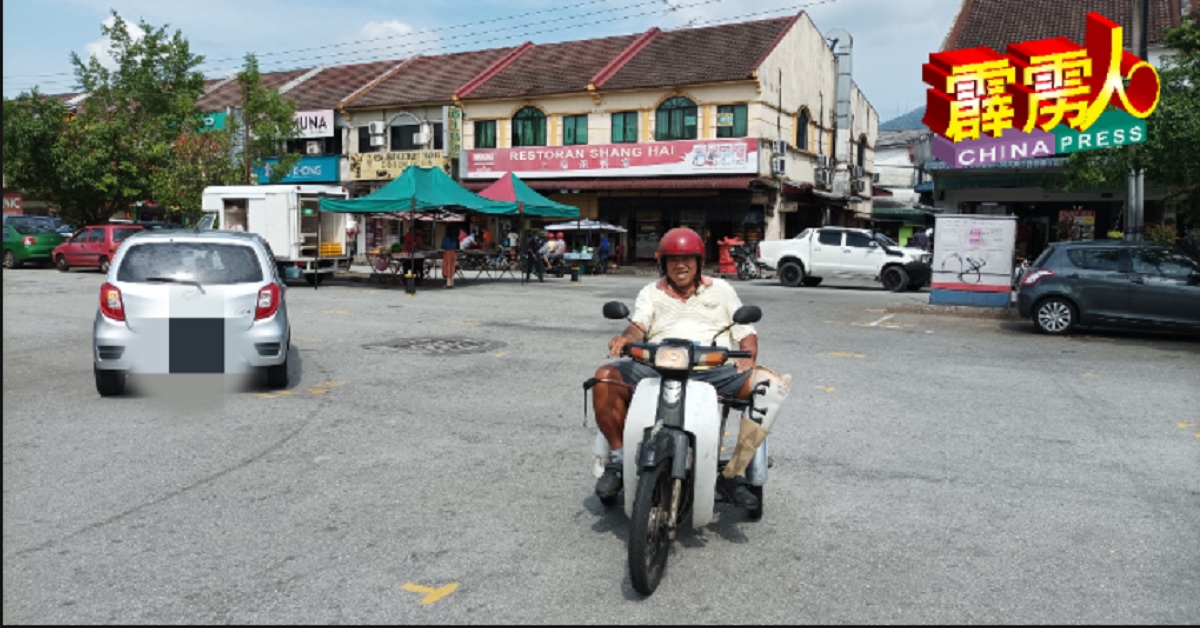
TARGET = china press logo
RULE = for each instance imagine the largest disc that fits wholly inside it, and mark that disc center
(1043, 97)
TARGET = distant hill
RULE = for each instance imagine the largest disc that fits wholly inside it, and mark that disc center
(910, 120)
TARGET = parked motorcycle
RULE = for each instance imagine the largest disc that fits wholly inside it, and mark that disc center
(745, 262)
(673, 430)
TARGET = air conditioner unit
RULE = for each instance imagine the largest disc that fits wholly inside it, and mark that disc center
(874, 177)
(778, 165)
(822, 177)
(378, 140)
(421, 138)
(859, 186)
(856, 172)
(824, 161)
(376, 128)
(312, 147)
(779, 147)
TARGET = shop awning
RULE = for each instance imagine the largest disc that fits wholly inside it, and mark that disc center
(418, 189)
(509, 188)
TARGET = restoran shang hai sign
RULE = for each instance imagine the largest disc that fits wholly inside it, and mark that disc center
(1044, 97)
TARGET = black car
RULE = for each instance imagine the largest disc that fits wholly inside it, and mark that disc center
(1111, 283)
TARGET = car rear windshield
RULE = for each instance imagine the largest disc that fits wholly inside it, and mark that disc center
(204, 262)
(121, 233)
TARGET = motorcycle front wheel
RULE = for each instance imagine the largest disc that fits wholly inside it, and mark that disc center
(648, 534)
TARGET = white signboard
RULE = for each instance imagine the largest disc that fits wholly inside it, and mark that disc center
(315, 123)
(973, 252)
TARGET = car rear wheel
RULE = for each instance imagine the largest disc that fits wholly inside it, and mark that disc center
(61, 264)
(104, 265)
(791, 274)
(1055, 316)
(10, 260)
(109, 383)
(895, 279)
(277, 375)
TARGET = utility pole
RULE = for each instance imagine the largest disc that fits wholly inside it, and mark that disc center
(1135, 204)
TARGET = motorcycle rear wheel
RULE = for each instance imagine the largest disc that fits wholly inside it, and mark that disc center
(649, 542)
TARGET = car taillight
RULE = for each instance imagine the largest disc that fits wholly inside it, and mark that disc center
(110, 302)
(1033, 276)
(29, 241)
(268, 302)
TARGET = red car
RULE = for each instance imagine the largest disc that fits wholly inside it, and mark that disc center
(92, 246)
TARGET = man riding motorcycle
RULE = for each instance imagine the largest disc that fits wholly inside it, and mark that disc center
(684, 303)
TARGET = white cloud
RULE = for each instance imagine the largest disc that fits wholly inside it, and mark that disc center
(389, 39)
(101, 47)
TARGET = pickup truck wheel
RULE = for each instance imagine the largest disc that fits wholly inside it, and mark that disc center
(895, 279)
(791, 274)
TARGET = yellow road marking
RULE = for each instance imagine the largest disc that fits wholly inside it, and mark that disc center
(1186, 425)
(431, 594)
(827, 389)
(1091, 374)
(308, 339)
(468, 323)
(338, 312)
(843, 354)
(499, 354)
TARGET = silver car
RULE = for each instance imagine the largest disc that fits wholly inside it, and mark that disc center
(204, 302)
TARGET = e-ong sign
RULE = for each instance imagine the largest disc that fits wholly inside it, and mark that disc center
(990, 107)
(315, 123)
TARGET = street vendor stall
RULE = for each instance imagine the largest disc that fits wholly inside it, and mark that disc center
(585, 255)
(509, 188)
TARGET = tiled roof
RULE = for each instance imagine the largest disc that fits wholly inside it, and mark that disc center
(230, 94)
(327, 88)
(565, 67)
(727, 52)
(428, 79)
(997, 23)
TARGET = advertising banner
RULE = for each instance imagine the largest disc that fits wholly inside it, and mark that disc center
(691, 157)
(375, 166)
(972, 259)
(452, 130)
(308, 170)
(315, 123)
(14, 202)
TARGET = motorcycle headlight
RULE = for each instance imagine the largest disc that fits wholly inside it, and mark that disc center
(671, 358)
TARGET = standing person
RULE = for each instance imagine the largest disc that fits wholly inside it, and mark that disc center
(531, 257)
(603, 251)
(684, 303)
(546, 251)
(449, 245)
(920, 239)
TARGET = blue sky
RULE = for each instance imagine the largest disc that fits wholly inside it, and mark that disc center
(892, 38)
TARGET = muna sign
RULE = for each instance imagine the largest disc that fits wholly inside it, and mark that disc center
(315, 123)
(1043, 98)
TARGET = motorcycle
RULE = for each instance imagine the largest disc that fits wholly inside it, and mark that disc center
(674, 429)
(744, 261)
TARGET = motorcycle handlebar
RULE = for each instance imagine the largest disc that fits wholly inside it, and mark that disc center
(649, 347)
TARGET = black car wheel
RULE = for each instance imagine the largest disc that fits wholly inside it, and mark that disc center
(10, 260)
(61, 264)
(109, 383)
(104, 265)
(895, 279)
(1055, 316)
(791, 274)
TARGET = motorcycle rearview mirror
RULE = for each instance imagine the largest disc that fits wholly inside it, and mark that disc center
(743, 316)
(615, 310)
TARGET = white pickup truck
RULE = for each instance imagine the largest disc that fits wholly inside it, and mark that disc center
(847, 253)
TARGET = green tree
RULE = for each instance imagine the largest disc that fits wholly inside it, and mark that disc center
(33, 127)
(125, 128)
(216, 157)
(1171, 153)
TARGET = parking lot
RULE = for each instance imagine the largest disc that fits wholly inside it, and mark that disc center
(430, 463)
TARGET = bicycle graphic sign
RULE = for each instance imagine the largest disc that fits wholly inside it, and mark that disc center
(1042, 98)
(973, 259)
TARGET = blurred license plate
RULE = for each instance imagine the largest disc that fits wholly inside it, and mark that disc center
(197, 345)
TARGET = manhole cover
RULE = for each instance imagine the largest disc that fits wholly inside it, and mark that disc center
(442, 346)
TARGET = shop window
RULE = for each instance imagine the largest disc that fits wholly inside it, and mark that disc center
(624, 127)
(485, 134)
(364, 141)
(439, 142)
(802, 124)
(575, 130)
(675, 119)
(731, 121)
(862, 152)
(403, 137)
(529, 127)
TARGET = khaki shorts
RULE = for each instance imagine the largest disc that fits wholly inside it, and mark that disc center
(725, 378)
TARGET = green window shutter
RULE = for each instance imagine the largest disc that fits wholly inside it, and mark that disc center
(574, 130)
(485, 134)
(738, 115)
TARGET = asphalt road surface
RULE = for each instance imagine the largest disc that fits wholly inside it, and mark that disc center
(430, 463)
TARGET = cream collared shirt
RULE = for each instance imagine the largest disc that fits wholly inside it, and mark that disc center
(698, 318)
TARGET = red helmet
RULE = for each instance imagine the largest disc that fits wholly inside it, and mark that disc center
(560, 235)
(680, 241)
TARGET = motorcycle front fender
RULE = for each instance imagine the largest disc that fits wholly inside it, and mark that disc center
(702, 420)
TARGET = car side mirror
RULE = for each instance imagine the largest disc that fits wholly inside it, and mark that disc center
(615, 310)
(747, 314)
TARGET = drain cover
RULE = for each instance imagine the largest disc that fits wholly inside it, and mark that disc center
(440, 346)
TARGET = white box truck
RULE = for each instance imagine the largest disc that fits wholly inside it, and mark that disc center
(305, 240)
